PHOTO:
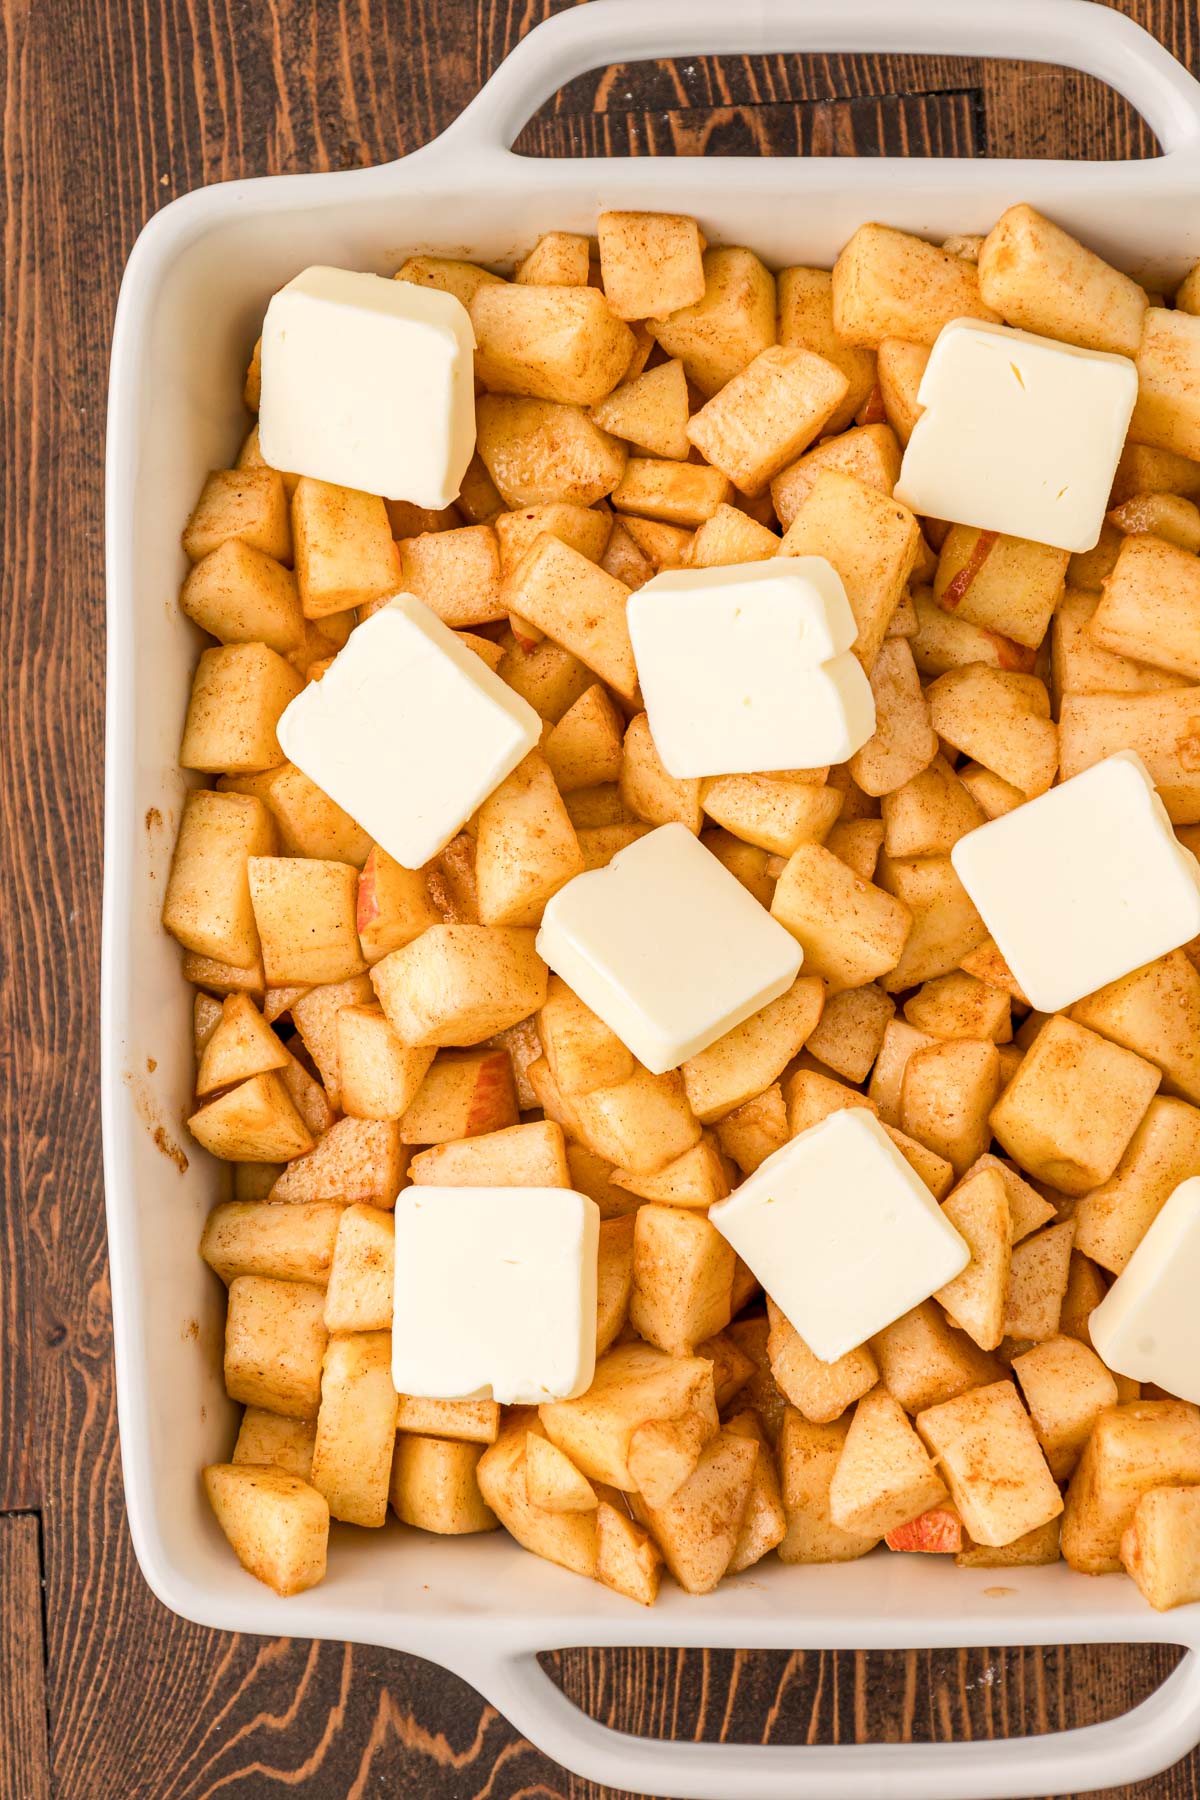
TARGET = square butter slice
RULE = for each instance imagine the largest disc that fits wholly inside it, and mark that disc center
(842, 1233)
(408, 730)
(1084, 884)
(495, 1295)
(1019, 434)
(746, 668)
(1148, 1324)
(667, 947)
(369, 383)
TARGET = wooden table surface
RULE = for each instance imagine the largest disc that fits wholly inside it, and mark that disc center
(111, 110)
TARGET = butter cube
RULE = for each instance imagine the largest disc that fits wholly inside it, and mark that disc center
(495, 1295)
(408, 730)
(1083, 884)
(841, 1232)
(1148, 1324)
(667, 947)
(745, 668)
(370, 384)
(1019, 434)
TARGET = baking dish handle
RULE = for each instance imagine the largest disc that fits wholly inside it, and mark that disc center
(1078, 34)
(1155, 1734)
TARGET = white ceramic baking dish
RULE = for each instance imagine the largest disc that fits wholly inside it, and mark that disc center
(193, 294)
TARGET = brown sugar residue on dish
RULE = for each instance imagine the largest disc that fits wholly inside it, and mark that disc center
(154, 825)
(170, 1149)
(148, 1113)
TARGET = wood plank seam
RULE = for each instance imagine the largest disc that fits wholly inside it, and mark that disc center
(35, 1513)
(979, 119)
(25, 1696)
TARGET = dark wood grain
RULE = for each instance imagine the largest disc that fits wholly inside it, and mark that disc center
(944, 124)
(827, 105)
(24, 1741)
(22, 1000)
(112, 108)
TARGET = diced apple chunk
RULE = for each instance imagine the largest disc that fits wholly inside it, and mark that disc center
(820, 1391)
(627, 1558)
(808, 1455)
(1161, 1546)
(698, 1528)
(1066, 1388)
(465, 1094)
(884, 1477)
(277, 1524)
(357, 1159)
(1131, 1449)
(682, 1278)
(697, 1178)
(992, 1462)
(526, 848)
(253, 1122)
(552, 1481)
(976, 1300)
(634, 1383)
(937, 1531)
(582, 1051)
(566, 1538)
(457, 984)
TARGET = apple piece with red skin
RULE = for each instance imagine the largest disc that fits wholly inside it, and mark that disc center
(492, 1102)
(394, 905)
(465, 1094)
(368, 910)
(872, 411)
(938, 1531)
(528, 636)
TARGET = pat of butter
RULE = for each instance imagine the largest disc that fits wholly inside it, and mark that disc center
(1084, 884)
(746, 668)
(495, 1295)
(667, 947)
(408, 730)
(369, 383)
(841, 1232)
(1148, 1324)
(1020, 434)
